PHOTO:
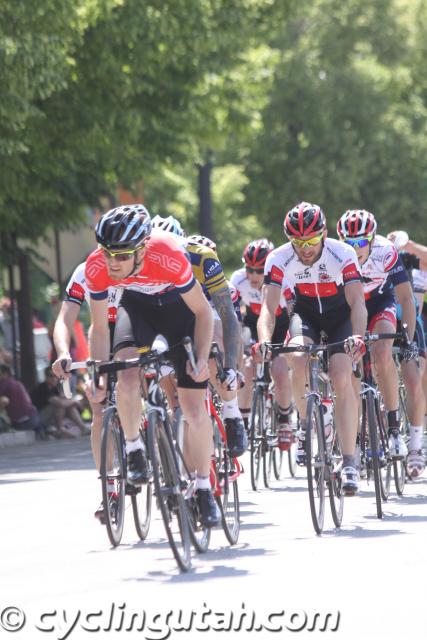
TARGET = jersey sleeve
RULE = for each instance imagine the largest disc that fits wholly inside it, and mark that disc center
(213, 273)
(96, 276)
(397, 274)
(272, 273)
(76, 289)
(350, 269)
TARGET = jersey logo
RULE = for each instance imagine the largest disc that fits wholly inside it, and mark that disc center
(95, 266)
(276, 275)
(166, 262)
(211, 268)
(76, 291)
(390, 258)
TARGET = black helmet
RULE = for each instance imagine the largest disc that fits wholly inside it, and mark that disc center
(124, 227)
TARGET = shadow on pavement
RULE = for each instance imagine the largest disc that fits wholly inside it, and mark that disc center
(54, 455)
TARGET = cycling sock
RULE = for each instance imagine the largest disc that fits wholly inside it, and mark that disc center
(230, 409)
(203, 482)
(393, 419)
(283, 414)
(133, 445)
(348, 461)
(416, 434)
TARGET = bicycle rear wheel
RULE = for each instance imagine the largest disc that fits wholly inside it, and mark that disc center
(257, 436)
(269, 446)
(227, 495)
(141, 498)
(168, 491)
(315, 452)
(336, 495)
(113, 475)
(374, 448)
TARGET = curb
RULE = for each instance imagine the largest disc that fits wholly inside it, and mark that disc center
(17, 438)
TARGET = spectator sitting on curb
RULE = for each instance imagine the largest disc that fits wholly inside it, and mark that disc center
(22, 413)
(54, 409)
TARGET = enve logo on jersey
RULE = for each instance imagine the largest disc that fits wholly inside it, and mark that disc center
(95, 266)
(166, 262)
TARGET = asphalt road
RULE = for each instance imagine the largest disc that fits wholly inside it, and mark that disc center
(61, 579)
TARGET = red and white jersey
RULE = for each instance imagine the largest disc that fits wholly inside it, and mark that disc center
(77, 291)
(383, 268)
(165, 272)
(320, 287)
(251, 297)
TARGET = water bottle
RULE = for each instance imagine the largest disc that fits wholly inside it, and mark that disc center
(328, 416)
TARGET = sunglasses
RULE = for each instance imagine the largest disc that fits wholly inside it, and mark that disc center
(120, 256)
(306, 242)
(359, 242)
(255, 270)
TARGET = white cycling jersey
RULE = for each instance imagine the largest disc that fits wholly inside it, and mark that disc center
(77, 291)
(318, 288)
(383, 269)
(251, 297)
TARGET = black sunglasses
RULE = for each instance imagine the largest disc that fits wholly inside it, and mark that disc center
(254, 270)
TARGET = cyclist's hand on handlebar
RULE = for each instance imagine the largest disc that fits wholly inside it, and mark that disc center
(260, 352)
(96, 394)
(202, 370)
(355, 347)
(230, 381)
(61, 367)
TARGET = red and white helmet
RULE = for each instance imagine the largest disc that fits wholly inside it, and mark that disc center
(256, 252)
(356, 223)
(304, 220)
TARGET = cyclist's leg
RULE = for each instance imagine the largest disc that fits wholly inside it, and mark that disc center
(300, 332)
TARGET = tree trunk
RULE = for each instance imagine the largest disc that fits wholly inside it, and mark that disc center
(25, 311)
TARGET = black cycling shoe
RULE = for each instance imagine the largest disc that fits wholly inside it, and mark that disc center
(237, 439)
(137, 466)
(209, 512)
(100, 513)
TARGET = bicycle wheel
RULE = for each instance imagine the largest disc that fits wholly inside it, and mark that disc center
(315, 452)
(336, 495)
(269, 445)
(257, 436)
(227, 494)
(384, 460)
(374, 450)
(399, 466)
(200, 535)
(168, 492)
(113, 475)
(141, 499)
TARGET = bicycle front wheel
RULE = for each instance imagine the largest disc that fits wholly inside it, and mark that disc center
(374, 450)
(113, 475)
(257, 436)
(315, 453)
(227, 496)
(336, 495)
(168, 492)
(141, 498)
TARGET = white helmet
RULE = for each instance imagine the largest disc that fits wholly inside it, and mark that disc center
(170, 224)
(206, 242)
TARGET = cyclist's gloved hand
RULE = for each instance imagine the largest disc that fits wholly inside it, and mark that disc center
(230, 379)
(409, 351)
(355, 347)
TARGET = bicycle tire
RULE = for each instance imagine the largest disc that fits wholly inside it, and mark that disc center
(228, 501)
(168, 493)
(373, 444)
(336, 495)
(268, 446)
(384, 461)
(113, 470)
(315, 453)
(141, 499)
(257, 436)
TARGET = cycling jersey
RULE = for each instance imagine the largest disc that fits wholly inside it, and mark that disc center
(78, 292)
(383, 269)
(206, 267)
(319, 288)
(165, 272)
(251, 297)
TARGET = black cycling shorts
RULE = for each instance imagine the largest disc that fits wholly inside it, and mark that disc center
(280, 328)
(336, 325)
(139, 322)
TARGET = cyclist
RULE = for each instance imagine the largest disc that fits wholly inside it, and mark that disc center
(209, 273)
(248, 282)
(385, 280)
(329, 297)
(76, 293)
(161, 296)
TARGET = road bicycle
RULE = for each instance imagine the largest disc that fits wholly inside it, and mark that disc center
(323, 457)
(113, 466)
(263, 436)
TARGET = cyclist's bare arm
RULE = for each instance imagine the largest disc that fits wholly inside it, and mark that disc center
(405, 298)
(356, 301)
(62, 334)
(418, 250)
(99, 333)
(196, 300)
(267, 317)
(223, 304)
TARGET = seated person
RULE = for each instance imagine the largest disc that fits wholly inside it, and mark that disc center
(22, 413)
(54, 408)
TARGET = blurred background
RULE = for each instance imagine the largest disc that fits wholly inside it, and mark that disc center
(224, 114)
